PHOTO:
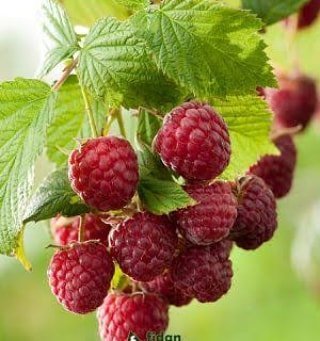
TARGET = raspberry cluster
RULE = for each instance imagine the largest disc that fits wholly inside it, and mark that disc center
(294, 104)
(164, 259)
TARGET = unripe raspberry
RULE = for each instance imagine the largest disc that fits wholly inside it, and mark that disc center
(164, 286)
(277, 171)
(194, 142)
(143, 245)
(294, 103)
(204, 272)
(65, 230)
(257, 215)
(140, 314)
(80, 276)
(212, 218)
(104, 172)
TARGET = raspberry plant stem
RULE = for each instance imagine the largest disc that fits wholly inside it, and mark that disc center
(81, 229)
(66, 73)
(107, 127)
(118, 115)
(89, 112)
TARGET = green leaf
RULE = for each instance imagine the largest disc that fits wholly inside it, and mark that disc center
(208, 48)
(233, 3)
(60, 33)
(89, 11)
(150, 164)
(26, 109)
(272, 11)
(119, 279)
(54, 196)
(157, 189)
(134, 4)
(162, 196)
(249, 122)
(114, 60)
(70, 121)
(148, 126)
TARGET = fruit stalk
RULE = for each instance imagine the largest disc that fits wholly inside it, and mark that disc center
(89, 112)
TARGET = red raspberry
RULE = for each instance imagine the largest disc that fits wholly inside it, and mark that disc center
(257, 215)
(212, 218)
(204, 272)
(143, 245)
(295, 102)
(308, 14)
(122, 314)
(65, 230)
(80, 276)
(194, 142)
(104, 172)
(164, 286)
(277, 171)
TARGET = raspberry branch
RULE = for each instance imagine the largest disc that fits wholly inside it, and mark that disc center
(89, 112)
(66, 73)
(118, 115)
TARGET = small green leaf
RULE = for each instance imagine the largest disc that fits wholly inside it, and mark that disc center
(54, 196)
(70, 121)
(61, 35)
(119, 279)
(162, 196)
(150, 163)
(272, 11)
(20, 252)
(88, 12)
(249, 122)
(201, 45)
(114, 60)
(158, 191)
(148, 126)
(26, 109)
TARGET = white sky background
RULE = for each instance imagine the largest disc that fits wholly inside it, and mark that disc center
(20, 38)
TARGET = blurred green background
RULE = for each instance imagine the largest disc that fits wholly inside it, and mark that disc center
(276, 290)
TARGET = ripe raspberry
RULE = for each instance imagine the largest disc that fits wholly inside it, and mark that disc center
(308, 14)
(143, 245)
(257, 215)
(80, 276)
(277, 171)
(122, 314)
(104, 172)
(164, 286)
(294, 103)
(65, 230)
(212, 218)
(194, 142)
(204, 272)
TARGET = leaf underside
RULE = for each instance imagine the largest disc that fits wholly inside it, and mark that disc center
(25, 111)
